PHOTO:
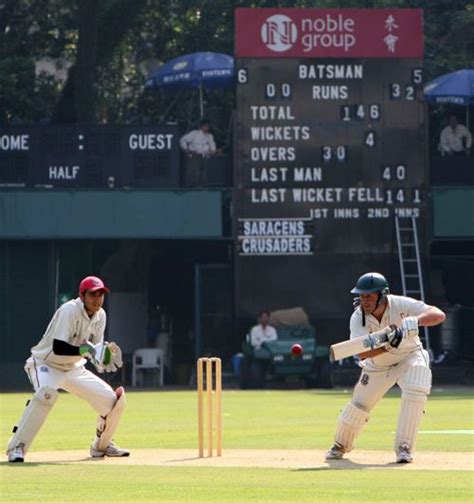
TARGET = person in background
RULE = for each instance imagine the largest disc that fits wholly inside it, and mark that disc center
(199, 141)
(198, 145)
(455, 138)
(263, 332)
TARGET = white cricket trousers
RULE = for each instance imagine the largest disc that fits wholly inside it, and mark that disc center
(79, 381)
(375, 382)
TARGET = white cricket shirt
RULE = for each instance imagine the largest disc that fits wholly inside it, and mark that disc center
(259, 335)
(199, 142)
(451, 140)
(398, 307)
(70, 324)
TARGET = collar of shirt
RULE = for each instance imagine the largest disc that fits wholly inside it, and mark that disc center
(83, 311)
(385, 320)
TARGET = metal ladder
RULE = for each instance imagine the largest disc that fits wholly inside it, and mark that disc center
(410, 264)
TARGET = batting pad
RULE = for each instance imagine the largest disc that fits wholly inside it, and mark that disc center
(417, 380)
(415, 390)
(35, 414)
(349, 425)
(106, 426)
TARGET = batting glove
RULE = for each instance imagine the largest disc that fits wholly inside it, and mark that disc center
(395, 337)
(410, 326)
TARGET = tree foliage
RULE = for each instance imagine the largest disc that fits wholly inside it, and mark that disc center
(108, 47)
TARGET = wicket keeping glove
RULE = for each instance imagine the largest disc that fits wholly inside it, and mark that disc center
(116, 358)
(87, 349)
(108, 357)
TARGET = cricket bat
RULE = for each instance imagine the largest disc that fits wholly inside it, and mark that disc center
(352, 347)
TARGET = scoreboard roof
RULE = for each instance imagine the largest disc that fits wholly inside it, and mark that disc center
(329, 33)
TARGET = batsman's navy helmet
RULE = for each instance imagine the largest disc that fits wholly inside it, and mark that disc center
(371, 282)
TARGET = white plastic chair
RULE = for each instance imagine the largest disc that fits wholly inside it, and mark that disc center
(148, 358)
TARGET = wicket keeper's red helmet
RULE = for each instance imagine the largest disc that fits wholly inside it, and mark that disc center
(92, 284)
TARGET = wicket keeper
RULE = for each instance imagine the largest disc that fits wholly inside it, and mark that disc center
(75, 332)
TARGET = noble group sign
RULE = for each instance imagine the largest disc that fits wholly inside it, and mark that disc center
(364, 33)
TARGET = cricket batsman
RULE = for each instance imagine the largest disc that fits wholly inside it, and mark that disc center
(75, 332)
(402, 360)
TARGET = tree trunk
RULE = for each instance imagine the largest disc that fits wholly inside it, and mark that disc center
(85, 68)
(100, 34)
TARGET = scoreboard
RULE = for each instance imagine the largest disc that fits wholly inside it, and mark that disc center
(89, 156)
(328, 148)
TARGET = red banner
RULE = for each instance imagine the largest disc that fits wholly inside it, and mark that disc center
(328, 33)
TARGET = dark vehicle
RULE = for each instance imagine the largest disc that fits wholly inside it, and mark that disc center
(275, 361)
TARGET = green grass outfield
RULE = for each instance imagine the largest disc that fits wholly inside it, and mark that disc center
(252, 420)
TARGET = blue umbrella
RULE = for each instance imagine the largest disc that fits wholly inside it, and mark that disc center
(455, 88)
(199, 70)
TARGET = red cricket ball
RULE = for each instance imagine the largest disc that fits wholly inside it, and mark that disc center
(297, 349)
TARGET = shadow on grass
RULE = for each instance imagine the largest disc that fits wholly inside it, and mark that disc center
(82, 460)
(56, 462)
(194, 458)
(347, 464)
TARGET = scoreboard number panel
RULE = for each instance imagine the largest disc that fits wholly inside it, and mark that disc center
(297, 141)
(327, 139)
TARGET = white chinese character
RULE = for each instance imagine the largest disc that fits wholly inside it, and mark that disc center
(390, 40)
(390, 23)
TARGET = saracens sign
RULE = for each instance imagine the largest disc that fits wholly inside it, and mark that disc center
(329, 33)
(275, 236)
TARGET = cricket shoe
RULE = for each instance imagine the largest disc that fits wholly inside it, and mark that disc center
(404, 454)
(335, 452)
(112, 450)
(16, 455)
